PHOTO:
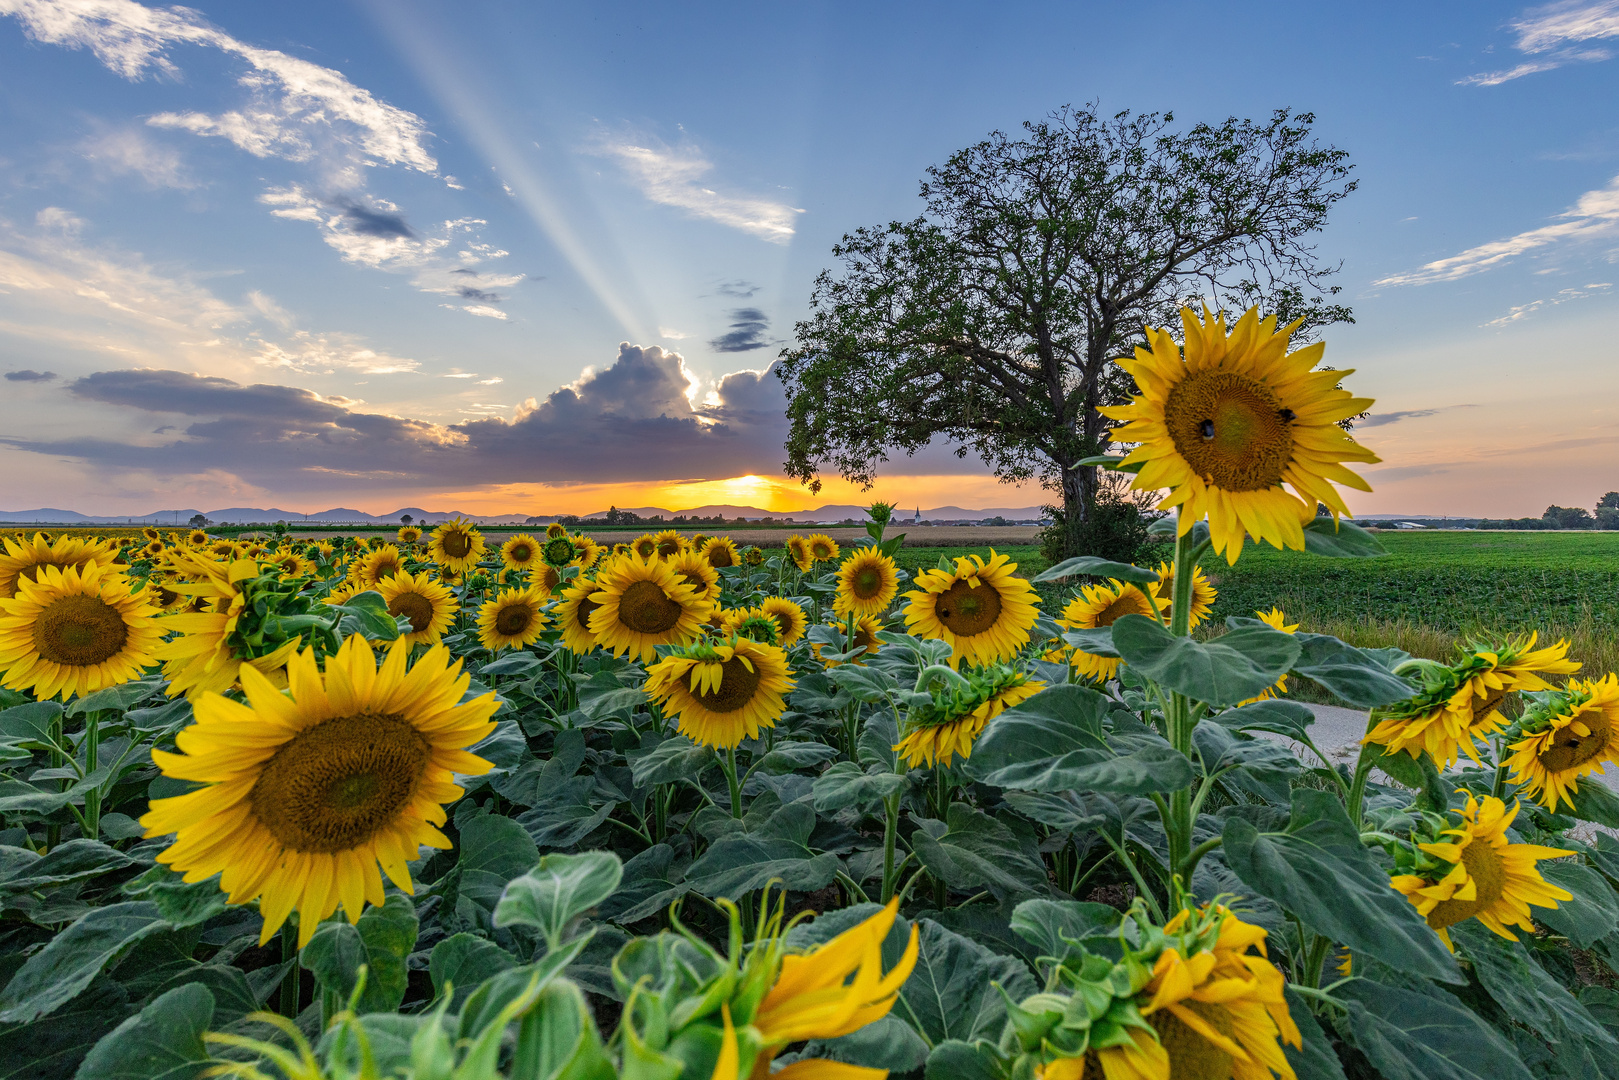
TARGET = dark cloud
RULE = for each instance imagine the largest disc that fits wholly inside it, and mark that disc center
(368, 222)
(467, 292)
(1379, 419)
(25, 375)
(748, 327)
(741, 290)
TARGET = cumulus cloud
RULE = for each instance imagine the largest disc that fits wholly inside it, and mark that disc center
(292, 96)
(1594, 216)
(29, 375)
(1552, 35)
(748, 327)
(672, 176)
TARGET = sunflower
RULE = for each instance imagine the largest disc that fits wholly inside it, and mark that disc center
(547, 577)
(291, 565)
(513, 619)
(521, 552)
(669, 543)
(457, 545)
(408, 534)
(790, 618)
(1103, 605)
(73, 631)
(938, 743)
(309, 790)
(588, 551)
(696, 571)
(1489, 878)
(196, 538)
(428, 605)
(641, 604)
(980, 608)
(722, 691)
(822, 548)
(720, 551)
(645, 546)
(751, 623)
(621, 549)
(1228, 425)
(152, 548)
(160, 596)
(378, 565)
(867, 582)
(1203, 593)
(1568, 734)
(573, 615)
(201, 658)
(151, 534)
(798, 550)
(865, 639)
(23, 559)
(1276, 620)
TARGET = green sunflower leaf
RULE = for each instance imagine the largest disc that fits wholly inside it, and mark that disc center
(1095, 567)
(1410, 1036)
(1340, 540)
(1231, 668)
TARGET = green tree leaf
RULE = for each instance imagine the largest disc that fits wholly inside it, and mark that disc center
(1229, 669)
(558, 891)
(161, 1042)
(494, 850)
(844, 785)
(1319, 871)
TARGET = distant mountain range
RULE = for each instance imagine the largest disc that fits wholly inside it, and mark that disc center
(247, 515)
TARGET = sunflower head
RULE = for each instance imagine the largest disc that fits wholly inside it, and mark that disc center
(753, 624)
(555, 529)
(379, 564)
(645, 546)
(25, 559)
(1241, 431)
(641, 604)
(409, 534)
(753, 557)
(589, 551)
(798, 550)
(1203, 593)
(822, 548)
(573, 615)
(668, 543)
(1567, 734)
(427, 604)
(866, 629)
(696, 571)
(723, 691)
(867, 582)
(981, 608)
(720, 551)
(515, 618)
(196, 538)
(791, 620)
(457, 545)
(74, 631)
(521, 552)
(559, 551)
(948, 726)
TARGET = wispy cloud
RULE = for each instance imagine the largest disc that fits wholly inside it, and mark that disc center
(1382, 418)
(292, 96)
(1594, 216)
(1552, 34)
(130, 152)
(1523, 311)
(672, 176)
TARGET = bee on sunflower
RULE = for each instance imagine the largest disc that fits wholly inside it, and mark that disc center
(513, 619)
(1479, 874)
(75, 630)
(457, 545)
(307, 791)
(936, 734)
(868, 581)
(1227, 423)
(1567, 734)
(722, 690)
(982, 609)
(428, 605)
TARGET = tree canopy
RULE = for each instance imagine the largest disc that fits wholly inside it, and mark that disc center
(989, 321)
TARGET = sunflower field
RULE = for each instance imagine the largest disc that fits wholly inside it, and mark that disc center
(434, 807)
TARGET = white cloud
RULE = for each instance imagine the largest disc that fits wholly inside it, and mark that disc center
(1594, 216)
(1523, 311)
(670, 176)
(482, 309)
(132, 39)
(672, 335)
(495, 381)
(128, 152)
(1550, 34)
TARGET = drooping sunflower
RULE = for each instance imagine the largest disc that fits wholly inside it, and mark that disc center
(151, 534)
(573, 615)
(981, 608)
(1225, 426)
(308, 790)
(555, 529)
(669, 543)
(646, 546)
(865, 639)
(867, 583)
(513, 619)
(1489, 878)
(379, 564)
(720, 551)
(641, 604)
(457, 545)
(23, 559)
(1103, 605)
(428, 605)
(75, 630)
(697, 572)
(950, 731)
(749, 622)
(408, 534)
(205, 656)
(521, 552)
(792, 619)
(1203, 593)
(822, 548)
(1569, 734)
(798, 551)
(1276, 620)
(723, 691)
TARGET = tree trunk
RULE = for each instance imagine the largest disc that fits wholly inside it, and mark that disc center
(1078, 504)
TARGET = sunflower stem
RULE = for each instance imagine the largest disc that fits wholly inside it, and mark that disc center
(1178, 716)
(890, 840)
(1363, 770)
(92, 798)
(731, 780)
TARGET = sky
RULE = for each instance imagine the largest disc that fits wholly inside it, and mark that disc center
(535, 257)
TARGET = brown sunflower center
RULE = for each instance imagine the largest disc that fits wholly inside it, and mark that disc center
(668, 546)
(1483, 709)
(1489, 876)
(1231, 429)
(646, 548)
(514, 619)
(784, 621)
(720, 555)
(647, 609)
(549, 578)
(334, 786)
(415, 607)
(736, 689)
(581, 614)
(866, 582)
(863, 638)
(384, 569)
(456, 544)
(1190, 1054)
(821, 552)
(79, 631)
(967, 610)
(1130, 602)
(1570, 749)
(520, 553)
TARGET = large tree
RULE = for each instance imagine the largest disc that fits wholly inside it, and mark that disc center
(989, 321)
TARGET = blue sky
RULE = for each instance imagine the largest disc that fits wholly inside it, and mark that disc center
(348, 253)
